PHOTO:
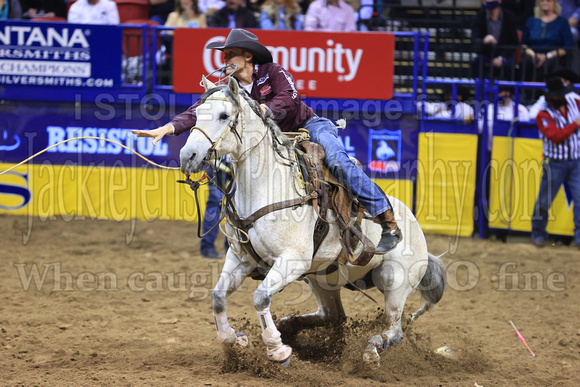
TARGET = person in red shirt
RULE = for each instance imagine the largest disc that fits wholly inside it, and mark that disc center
(558, 125)
(274, 88)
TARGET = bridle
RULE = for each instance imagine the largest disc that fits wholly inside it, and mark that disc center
(232, 127)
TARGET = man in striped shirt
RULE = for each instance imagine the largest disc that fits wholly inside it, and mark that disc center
(558, 125)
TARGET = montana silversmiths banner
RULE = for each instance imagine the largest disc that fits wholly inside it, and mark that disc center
(324, 65)
(60, 55)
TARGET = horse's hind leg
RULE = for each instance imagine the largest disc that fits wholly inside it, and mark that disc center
(329, 309)
(396, 294)
(288, 270)
(233, 274)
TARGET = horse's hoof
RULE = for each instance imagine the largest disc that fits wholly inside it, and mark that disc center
(281, 355)
(242, 339)
(371, 357)
(227, 338)
(285, 363)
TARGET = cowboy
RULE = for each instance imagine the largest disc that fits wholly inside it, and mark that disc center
(569, 78)
(273, 87)
(558, 125)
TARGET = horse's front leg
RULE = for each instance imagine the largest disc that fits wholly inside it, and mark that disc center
(233, 274)
(287, 268)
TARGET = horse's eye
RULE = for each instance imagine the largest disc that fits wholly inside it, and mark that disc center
(224, 116)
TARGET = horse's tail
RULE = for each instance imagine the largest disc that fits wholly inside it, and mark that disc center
(432, 285)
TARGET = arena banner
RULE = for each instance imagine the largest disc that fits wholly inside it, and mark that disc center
(97, 192)
(446, 177)
(399, 188)
(324, 65)
(99, 179)
(25, 132)
(60, 55)
(514, 174)
(116, 193)
(386, 148)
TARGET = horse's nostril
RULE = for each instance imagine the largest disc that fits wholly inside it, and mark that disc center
(192, 156)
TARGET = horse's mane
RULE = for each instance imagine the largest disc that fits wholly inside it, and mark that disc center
(270, 124)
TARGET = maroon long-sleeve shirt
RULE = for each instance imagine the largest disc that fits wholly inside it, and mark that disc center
(272, 86)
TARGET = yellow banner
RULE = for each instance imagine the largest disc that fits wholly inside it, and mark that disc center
(401, 189)
(446, 172)
(514, 187)
(97, 192)
(116, 193)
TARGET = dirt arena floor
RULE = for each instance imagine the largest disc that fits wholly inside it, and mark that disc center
(127, 303)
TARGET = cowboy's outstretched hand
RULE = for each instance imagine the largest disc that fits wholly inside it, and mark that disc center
(157, 134)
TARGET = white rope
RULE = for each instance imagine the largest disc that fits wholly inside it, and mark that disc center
(85, 138)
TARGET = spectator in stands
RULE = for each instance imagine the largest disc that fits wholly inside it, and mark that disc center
(558, 125)
(281, 15)
(159, 10)
(330, 15)
(571, 12)
(568, 77)
(448, 109)
(506, 108)
(52, 8)
(208, 7)
(494, 33)
(186, 14)
(364, 14)
(545, 41)
(93, 12)
(10, 9)
(234, 15)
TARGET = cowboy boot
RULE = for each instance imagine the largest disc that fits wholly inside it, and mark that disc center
(391, 233)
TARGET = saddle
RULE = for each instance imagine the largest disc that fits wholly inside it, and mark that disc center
(325, 193)
(332, 195)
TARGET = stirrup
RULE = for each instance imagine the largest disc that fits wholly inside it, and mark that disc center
(389, 241)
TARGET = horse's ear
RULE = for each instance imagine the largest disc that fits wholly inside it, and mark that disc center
(234, 87)
(207, 84)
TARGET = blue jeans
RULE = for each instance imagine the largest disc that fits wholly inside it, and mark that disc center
(554, 174)
(212, 214)
(324, 132)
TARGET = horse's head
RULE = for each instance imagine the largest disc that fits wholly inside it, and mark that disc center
(217, 131)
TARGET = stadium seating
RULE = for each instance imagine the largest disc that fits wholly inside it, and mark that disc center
(133, 38)
(132, 10)
(450, 49)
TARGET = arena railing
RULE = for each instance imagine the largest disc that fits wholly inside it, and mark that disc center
(516, 129)
(137, 51)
